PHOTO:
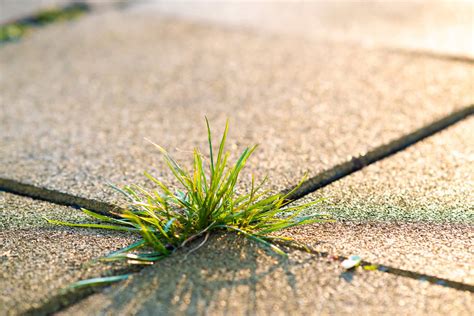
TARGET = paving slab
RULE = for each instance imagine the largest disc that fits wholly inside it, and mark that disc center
(77, 100)
(414, 210)
(431, 181)
(444, 27)
(39, 260)
(229, 276)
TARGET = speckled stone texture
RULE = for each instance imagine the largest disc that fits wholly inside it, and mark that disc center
(414, 210)
(247, 280)
(90, 91)
(230, 277)
(444, 27)
(78, 98)
(431, 181)
(39, 260)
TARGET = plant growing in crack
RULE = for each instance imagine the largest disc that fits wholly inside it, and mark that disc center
(208, 201)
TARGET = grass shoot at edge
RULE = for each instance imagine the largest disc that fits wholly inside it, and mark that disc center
(169, 219)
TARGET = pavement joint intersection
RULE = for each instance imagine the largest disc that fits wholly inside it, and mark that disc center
(309, 186)
(70, 297)
(322, 179)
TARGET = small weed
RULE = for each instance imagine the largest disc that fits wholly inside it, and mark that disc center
(169, 219)
(16, 30)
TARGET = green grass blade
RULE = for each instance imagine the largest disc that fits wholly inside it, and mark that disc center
(147, 234)
(128, 196)
(131, 247)
(209, 137)
(222, 143)
(207, 198)
(135, 257)
(99, 281)
(257, 238)
(106, 218)
(98, 226)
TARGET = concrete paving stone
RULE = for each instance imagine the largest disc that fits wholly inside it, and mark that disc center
(413, 210)
(235, 277)
(39, 260)
(444, 27)
(77, 99)
(75, 117)
(431, 181)
(441, 250)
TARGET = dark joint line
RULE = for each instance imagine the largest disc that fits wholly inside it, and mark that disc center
(391, 270)
(15, 30)
(309, 186)
(56, 197)
(433, 55)
(357, 163)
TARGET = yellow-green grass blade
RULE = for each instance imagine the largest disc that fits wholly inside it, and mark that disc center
(105, 218)
(131, 247)
(209, 137)
(256, 238)
(99, 281)
(98, 226)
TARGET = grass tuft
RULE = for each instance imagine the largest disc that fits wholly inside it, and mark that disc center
(208, 201)
(16, 30)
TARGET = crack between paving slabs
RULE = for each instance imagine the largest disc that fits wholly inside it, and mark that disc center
(357, 163)
(70, 297)
(431, 54)
(82, 6)
(322, 179)
(309, 186)
(14, 30)
(392, 270)
(56, 197)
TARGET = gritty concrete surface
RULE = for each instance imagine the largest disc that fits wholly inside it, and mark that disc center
(441, 250)
(413, 210)
(39, 260)
(431, 181)
(77, 99)
(235, 277)
(444, 27)
(25, 213)
(92, 89)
